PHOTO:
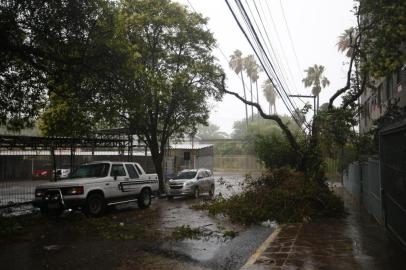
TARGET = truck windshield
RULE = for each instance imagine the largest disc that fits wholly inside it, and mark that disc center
(186, 175)
(91, 170)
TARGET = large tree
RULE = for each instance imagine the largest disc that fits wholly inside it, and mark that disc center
(163, 90)
(251, 68)
(48, 47)
(211, 132)
(270, 95)
(237, 64)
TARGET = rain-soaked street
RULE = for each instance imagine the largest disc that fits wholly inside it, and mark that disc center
(356, 242)
(131, 238)
(70, 242)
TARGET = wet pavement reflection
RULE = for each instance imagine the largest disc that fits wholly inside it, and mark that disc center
(62, 244)
(354, 242)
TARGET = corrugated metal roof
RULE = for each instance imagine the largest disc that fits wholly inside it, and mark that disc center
(189, 146)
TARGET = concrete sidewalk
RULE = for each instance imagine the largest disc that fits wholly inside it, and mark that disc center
(355, 242)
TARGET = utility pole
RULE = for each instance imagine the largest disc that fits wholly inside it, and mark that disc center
(304, 96)
(314, 102)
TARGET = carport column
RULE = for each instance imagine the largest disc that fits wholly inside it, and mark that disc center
(53, 161)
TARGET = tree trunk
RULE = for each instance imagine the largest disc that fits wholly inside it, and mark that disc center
(157, 159)
(245, 97)
(252, 108)
(256, 83)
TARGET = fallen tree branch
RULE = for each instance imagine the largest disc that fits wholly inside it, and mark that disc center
(291, 139)
(349, 72)
(347, 102)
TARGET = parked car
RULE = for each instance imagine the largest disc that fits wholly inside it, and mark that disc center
(62, 173)
(93, 186)
(191, 182)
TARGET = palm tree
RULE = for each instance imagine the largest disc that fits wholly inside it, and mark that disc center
(316, 80)
(270, 95)
(251, 68)
(346, 41)
(236, 63)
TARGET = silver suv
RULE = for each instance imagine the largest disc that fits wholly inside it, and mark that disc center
(191, 182)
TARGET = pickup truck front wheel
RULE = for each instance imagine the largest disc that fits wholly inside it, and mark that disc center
(144, 199)
(95, 205)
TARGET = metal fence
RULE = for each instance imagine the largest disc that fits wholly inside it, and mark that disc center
(26, 162)
(363, 181)
(238, 163)
(393, 172)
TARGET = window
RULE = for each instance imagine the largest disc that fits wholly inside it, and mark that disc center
(380, 89)
(186, 155)
(131, 171)
(91, 170)
(185, 175)
(389, 87)
(138, 169)
(117, 170)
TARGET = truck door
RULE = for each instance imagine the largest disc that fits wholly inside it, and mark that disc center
(120, 176)
(131, 186)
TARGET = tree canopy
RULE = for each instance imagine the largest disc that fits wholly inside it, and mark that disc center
(164, 87)
(51, 47)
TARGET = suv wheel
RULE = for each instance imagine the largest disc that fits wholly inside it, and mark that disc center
(95, 205)
(144, 200)
(196, 193)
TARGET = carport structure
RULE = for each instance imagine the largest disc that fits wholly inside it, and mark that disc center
(27, 158)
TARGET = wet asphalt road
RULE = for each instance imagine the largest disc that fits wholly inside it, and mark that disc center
(56, 246)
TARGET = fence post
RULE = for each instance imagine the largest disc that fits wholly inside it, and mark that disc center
(53, 161)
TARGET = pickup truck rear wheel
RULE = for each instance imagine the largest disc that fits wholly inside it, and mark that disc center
(144, 199)
(95, 205)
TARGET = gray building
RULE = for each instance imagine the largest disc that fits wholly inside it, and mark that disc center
(188, 155)
(375, 100)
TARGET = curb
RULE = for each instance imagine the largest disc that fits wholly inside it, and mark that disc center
(262, 248)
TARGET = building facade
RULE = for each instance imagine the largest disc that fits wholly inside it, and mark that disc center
(375, 100)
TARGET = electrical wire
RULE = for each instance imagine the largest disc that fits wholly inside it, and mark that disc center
(265, 61)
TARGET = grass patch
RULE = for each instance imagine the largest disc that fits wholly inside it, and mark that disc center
(10, 226)
(283, 195)
(113, 229)
(230, 233)
(185, 232)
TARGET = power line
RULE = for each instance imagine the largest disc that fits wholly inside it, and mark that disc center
(261, 47)
(280, 45)
(281, 69)
(262, 53)
(290, 38)
(218, 47)
(262, 56)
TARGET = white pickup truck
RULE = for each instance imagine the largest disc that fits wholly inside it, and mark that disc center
(94, 186)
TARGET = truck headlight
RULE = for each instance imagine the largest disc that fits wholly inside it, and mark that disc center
(188, 184)
(72, 191)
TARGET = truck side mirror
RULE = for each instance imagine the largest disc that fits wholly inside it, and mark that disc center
(114, 174)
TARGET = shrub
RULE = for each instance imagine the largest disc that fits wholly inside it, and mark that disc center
(282, 195)
(275, 151)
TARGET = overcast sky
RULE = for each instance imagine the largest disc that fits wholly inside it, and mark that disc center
(314, 26)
